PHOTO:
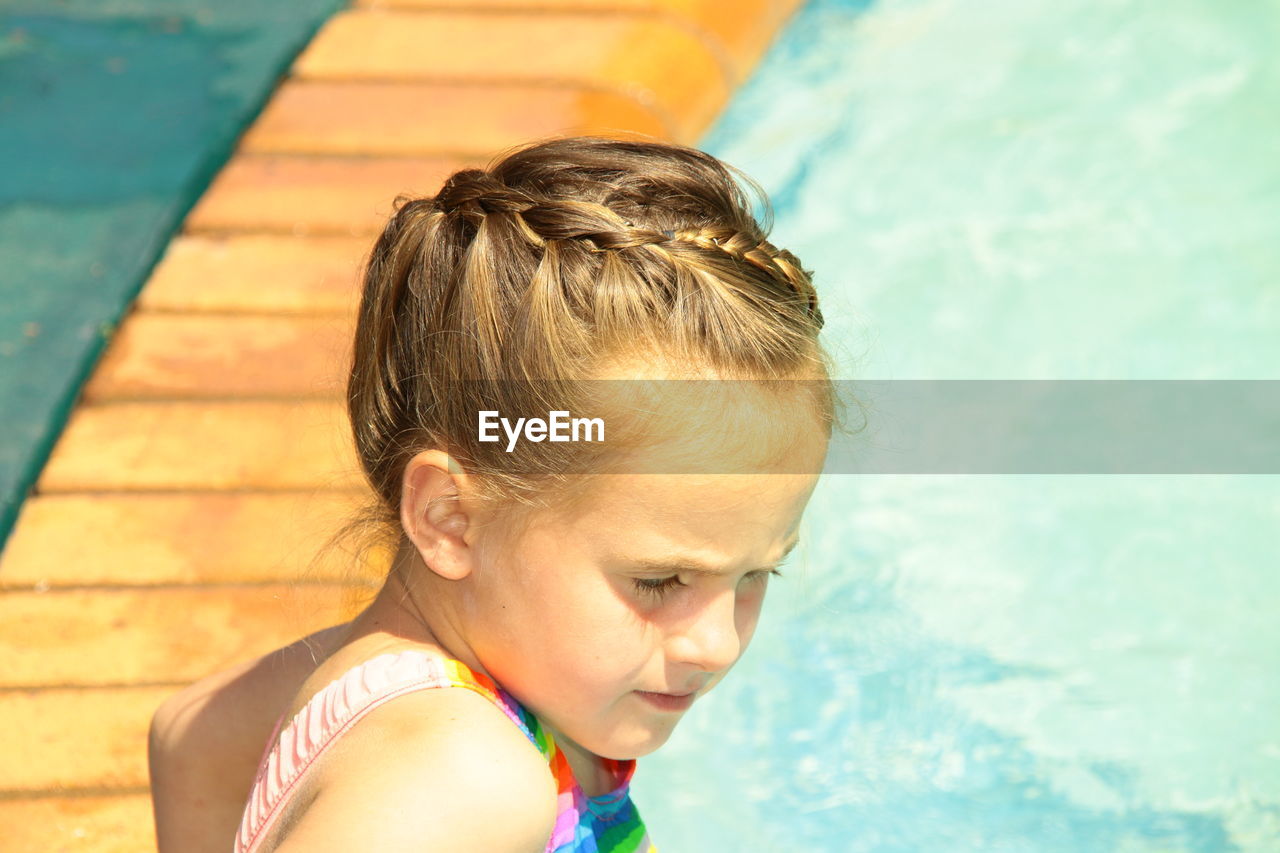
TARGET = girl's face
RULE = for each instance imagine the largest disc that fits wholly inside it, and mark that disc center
(653, 585)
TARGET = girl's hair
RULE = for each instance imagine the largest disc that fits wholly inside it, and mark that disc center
(562, 256)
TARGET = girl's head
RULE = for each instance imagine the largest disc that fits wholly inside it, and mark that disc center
(535, 286)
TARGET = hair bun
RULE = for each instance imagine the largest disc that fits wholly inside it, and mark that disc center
(473, 193)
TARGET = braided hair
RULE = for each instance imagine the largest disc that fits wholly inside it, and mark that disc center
(474, 195)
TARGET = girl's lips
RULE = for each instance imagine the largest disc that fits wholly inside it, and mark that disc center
(668, 701)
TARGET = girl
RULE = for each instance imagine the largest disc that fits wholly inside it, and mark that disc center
(578, 614)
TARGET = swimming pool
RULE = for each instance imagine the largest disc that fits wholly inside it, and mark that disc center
(1013, 663)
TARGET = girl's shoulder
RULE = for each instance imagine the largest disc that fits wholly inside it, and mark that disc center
(387, 744)
(206, 740)
(368, 697)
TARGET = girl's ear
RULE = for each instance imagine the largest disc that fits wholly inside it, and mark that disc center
(432, 515)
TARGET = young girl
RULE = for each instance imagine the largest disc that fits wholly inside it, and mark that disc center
(581, 591)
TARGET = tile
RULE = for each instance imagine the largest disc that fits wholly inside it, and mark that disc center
(106, 637)
(52, 824)
(136, 446)
(258, 273)
(739, 33)
(664, 67)
(177, 356)
(77, 739)
(384, 118)
(301, 195)
(141, 539)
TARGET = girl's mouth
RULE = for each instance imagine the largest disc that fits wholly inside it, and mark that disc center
(668, 701)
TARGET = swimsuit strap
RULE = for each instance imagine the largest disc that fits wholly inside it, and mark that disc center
(464, 676)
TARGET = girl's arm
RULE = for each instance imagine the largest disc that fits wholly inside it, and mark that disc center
(206, 740)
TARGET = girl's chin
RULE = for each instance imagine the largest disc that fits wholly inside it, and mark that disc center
(622, 741)
(644, 742)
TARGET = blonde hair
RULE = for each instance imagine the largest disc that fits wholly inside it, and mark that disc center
(561, 255)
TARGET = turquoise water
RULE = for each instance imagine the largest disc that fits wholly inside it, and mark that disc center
(1035, 190)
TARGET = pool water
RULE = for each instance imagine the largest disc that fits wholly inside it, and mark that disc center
(1035, 190)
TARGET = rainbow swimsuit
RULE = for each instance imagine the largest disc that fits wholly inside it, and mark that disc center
(605, 824)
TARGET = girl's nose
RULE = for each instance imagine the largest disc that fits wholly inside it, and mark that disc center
(710, 640)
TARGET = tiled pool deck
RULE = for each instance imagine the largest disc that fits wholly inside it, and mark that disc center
(207, 458)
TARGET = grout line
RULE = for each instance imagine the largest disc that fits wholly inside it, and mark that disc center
(103, 400)
(206, 492)
(496, 11)
(102, 686)
(217, 399)
(628, 91)
(175, 585)
(242, 313)
(12, 794)
(338, 156)
(225, 231)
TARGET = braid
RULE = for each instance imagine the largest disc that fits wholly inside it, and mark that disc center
(754, 249)
(474, 194)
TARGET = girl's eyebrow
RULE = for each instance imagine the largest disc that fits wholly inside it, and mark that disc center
(691, 566)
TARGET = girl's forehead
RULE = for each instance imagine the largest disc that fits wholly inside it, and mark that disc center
(715, 521)
(717, 427)
(687, 462)
(686, 506)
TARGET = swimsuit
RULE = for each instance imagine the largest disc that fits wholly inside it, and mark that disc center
(604, 824)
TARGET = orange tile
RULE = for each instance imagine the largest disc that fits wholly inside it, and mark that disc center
(191, 538)
(662, 66)
(739, 32)
(533, 6)
(227, 445)
(314, 195)
(201, 356)
(54, 824)
(117, 637)
(320, 117)
(72, 738)
(263, 273)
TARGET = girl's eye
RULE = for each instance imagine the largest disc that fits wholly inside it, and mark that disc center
(761, 577)
(657, 587)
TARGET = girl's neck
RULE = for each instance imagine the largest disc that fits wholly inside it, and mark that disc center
(403, 612)
(593, 774)
(397, 616)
